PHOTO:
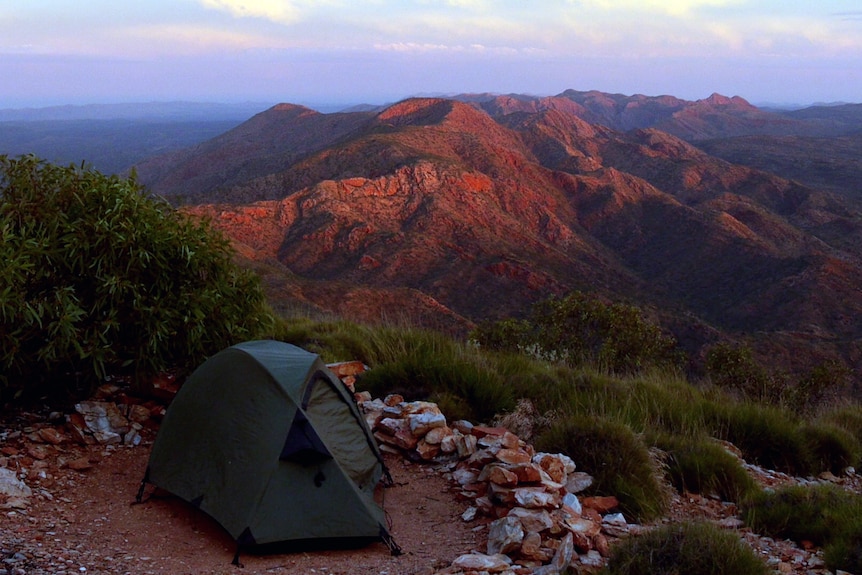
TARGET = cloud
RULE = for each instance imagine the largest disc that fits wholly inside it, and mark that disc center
(282, 11)
(671, 7)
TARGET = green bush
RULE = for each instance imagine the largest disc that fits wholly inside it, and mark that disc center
(768, 436)
(617, 459)
(98, 278)
(831, 448)
(847, 417)
(579, 329)
(689, 548)
(699, 465)
(823, 514)
(424, 365)
(820, 513)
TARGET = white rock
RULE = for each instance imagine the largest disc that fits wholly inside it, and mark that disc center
(578, 481)
(469, 514)
(591, 558)
(481, 562)
(614, 519)
(532, 519)
(571, 500)
(505, 535)
(12, 486)
(422, 423)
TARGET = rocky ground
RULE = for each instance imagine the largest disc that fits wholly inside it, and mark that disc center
(74, 512)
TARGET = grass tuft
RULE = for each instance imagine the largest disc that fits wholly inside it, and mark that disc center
(690, 548)
(617, 459)
(700, 465)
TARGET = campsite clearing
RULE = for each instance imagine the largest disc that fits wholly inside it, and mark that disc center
(85, 522)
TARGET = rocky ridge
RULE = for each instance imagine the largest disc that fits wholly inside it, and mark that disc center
(450, 213)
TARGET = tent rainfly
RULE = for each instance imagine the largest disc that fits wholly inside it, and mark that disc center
(268, 441)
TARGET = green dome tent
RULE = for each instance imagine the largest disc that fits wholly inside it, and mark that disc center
(267, 441)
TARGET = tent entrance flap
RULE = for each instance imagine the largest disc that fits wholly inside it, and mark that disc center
(302, 444)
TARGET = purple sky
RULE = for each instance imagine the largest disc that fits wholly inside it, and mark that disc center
(375, 51)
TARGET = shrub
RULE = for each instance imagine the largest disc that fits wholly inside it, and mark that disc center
(690, 548)
(616, 458)
(699, 465)
(579, 329)
(97, 278)
(734, 368)
(822, 383)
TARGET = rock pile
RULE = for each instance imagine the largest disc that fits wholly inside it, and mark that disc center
(536, 522)
(35, 452)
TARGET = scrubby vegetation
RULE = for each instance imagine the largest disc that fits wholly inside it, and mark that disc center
(691, 548)
(97, 278)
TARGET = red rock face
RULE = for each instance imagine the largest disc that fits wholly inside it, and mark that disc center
(434, 210)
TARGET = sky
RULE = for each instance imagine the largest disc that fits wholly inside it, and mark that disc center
(343, 52)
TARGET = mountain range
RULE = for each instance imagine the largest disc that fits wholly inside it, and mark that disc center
(451, 211)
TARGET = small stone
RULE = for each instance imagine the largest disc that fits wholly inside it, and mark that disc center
(578, 481)
(501, 476)
(393, 399)
(513, 456)
(505, 535)
(449, 444)
(531, 546)
(11, 486)
(463, 426)
(571, 501)
(591, 559)
(536, 497)
(601, 544)
(537, 520)
(582, 525)
(527, 472)
(481, 562)
(39, 452)
(465, 445)
(139, 414)
(481, 431)
(436, 435)
(469, 514)
(614, 519)
(422, 423)
(552, 465)
(565, 552)
(602, 504)
(53, 436)
(427, 451)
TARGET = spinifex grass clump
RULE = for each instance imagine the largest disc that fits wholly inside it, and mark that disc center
(689, 548)
(831, 448)
(425, 365)
(825, 515)
(700, 465)
(97, 277)
(616, 458)
(767, 436)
